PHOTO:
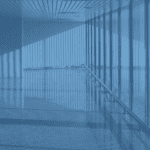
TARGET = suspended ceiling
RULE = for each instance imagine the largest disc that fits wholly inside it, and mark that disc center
(45, 18)
(58, 10)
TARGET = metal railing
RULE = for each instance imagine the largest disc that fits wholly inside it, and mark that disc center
(143, 126)
(54, 68)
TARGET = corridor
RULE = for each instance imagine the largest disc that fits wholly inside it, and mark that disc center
(74, 75)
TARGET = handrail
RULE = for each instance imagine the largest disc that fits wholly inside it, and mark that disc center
(117, 99)
(53, 68)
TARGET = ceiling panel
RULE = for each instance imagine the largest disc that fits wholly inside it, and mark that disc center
(75, 10)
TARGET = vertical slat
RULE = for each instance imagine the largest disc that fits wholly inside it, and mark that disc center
(146, 29)
(119, 51)
(88, 45)
(111, 62)
(104, 35)
(104, 50)
(91, 67)
(95, 67)
(111, 56)
(86, 34)
(130, 67)
(99, 48)
(104, 47)
(131, 55)
(89, 94)
(91, 45)
(99, 58)
(44, 59)
(95, 45)
(119, 71)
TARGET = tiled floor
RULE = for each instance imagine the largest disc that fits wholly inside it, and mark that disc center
(54, 129)
(33, 122)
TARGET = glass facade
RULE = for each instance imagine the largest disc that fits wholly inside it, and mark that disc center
(82, 65)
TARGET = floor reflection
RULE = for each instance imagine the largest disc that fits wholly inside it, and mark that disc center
(48, 110)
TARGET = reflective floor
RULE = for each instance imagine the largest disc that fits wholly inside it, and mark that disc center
(52, 114)
(57, 129)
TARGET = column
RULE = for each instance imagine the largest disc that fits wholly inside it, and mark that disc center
(147, 75)
(99, 56)
(119, 51)
(131, 55)
(130, 67)
(104, 35)
(95, 67)
(111, 56)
